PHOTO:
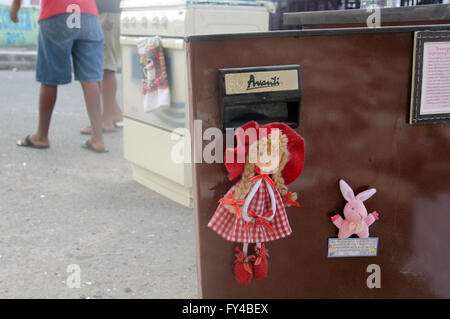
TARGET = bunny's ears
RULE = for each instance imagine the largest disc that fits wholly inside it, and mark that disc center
(349, 195)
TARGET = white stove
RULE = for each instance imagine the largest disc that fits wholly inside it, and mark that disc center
(148, 137)
(181, 19)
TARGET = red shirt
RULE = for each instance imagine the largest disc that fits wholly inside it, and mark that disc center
(50, 8)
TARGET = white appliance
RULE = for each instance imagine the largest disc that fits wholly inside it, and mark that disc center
(148, 141)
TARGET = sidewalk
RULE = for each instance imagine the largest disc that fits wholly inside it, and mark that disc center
(66, 206)
(18, 58)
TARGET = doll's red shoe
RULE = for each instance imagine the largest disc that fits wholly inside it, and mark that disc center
(242, 268)
(260, 266)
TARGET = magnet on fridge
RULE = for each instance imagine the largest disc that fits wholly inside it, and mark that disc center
(265, 160)
(356, 222)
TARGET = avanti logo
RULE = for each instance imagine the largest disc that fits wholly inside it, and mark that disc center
(253, 84)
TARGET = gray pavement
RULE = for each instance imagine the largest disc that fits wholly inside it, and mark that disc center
(66, 205)
(18, 58)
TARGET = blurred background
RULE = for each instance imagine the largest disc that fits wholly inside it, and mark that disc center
(18, 42)
(23, 36)
(284, 6)
(25, 32)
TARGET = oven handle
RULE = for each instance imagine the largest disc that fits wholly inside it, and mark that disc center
(167, 43)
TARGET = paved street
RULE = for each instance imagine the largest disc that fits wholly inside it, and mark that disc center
(66, 205)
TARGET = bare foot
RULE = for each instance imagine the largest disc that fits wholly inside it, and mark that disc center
(109, 127)
(88, 130)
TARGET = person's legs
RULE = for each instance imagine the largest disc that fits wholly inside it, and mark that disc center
(47, 101)
(91, 92)
(111, 110)
(53, 68)
(87, 54)
(111, 32)
(112, 113)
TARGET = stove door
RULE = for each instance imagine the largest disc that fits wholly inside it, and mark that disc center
(133, 99)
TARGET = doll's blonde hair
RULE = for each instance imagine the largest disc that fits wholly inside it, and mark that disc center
(243, 186)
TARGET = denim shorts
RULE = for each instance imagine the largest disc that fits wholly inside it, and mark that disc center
(60, 40)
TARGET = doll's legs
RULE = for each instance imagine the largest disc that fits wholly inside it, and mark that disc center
(260, 248)
(260, 265)
(245, 249)
(242, 266)
(248, 267)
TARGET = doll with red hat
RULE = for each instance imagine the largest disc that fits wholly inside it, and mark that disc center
(265, 160)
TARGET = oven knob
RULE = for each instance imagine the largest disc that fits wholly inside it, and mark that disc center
(133, 22)
(144, 22)
(164, 22)
(156, 22)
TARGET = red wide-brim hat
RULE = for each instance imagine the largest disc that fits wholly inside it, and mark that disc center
(296, 148)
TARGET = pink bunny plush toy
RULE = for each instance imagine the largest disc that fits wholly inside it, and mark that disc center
(356, 219)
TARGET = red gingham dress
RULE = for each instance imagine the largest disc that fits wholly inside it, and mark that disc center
(227, 225)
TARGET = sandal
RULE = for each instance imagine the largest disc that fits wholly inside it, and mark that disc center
(29, 143)
(88, 145)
